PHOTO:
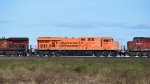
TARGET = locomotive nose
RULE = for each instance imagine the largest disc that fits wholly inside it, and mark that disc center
(115, 46)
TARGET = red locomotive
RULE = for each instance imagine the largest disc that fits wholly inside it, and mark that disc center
(14, 46)
(140, 46)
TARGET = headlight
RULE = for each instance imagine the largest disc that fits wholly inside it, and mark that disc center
(113, 46)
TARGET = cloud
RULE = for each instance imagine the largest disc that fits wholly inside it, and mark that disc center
(91, 25)
(38, 25)
(103, 25)
(138, 26)
(66, 25)
(75, 25)
(135, 26)
(5, 21)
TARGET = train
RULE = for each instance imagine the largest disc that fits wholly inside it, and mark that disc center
(82, 46)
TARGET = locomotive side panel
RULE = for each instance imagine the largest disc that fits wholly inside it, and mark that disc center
(18, 43)
(146, 44)
(106, 43)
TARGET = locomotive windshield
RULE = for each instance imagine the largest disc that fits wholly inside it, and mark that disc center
(108, 40)
(138, 40)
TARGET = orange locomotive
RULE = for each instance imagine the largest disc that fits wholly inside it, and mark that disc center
(77, 46)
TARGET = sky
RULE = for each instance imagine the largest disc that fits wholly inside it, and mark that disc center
(120, 19)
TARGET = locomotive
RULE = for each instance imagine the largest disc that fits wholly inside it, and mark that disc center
(140, 46)
(14, 46)
(83, 46)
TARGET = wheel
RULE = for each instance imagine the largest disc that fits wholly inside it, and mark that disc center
(97, 55)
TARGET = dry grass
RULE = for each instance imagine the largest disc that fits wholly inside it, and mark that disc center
(75, 71)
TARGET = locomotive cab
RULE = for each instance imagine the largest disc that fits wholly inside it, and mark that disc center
(109, 44)
(137, 44)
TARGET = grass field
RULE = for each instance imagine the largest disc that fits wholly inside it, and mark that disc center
(82, 71)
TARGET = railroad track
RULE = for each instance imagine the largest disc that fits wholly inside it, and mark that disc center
(69, 58)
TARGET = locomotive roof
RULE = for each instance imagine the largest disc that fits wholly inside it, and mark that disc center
(15, 38)
(18, 38)
(3, 39)
(74, 37)
(141, 38)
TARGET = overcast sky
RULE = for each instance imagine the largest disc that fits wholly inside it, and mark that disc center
(121, 19)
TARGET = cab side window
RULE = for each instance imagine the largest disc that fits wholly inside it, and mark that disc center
(138, 40)
(106, 40)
